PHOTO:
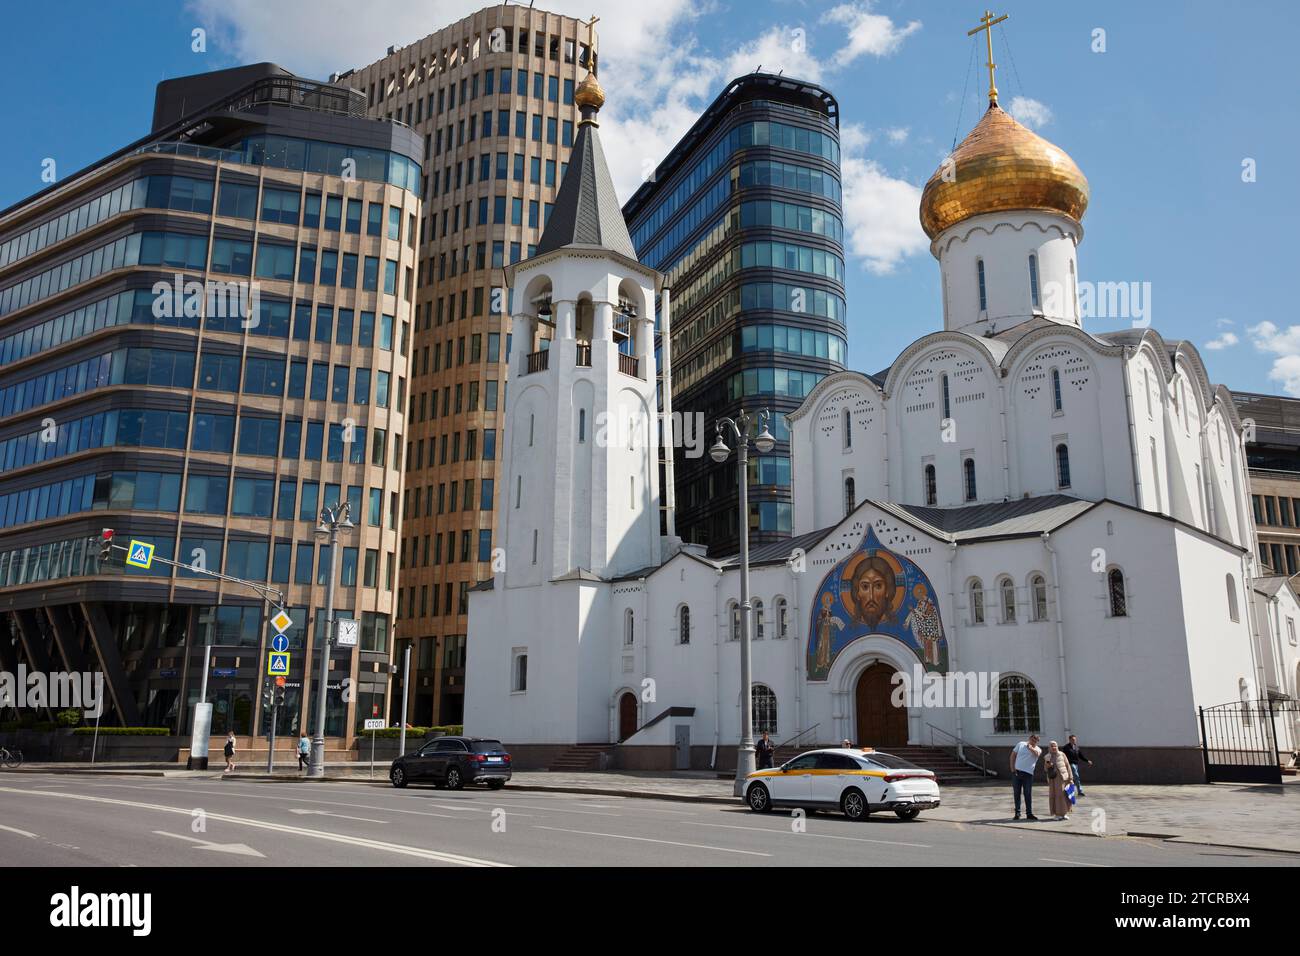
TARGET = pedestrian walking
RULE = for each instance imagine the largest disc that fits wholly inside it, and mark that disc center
(1058, 778)
(304, 750)
(1024, 758)
(229, 751)
(1076, 757)
(765, 749)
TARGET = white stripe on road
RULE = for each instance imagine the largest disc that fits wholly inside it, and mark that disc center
(19, 832)
(620, 836)
(1048, 859)
(280, 828)
(285, 797)
(824, 836)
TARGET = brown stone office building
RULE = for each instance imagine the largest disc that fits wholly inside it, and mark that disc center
(491, 99)
(204, 340)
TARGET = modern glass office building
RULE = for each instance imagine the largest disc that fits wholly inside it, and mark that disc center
(744, 216)
(205, 339)
(491, 98)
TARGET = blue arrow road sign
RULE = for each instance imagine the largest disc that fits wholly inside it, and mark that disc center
(279, 643)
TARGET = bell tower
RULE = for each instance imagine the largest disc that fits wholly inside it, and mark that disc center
(580, 461)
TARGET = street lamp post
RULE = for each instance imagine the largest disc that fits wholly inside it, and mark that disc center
(332, 521)
(763, 442)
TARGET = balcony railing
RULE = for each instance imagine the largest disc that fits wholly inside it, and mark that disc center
(629, 365)
(584, 355)
(537, 362)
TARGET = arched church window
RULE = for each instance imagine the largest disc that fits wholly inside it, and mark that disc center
(947, 405)
(684, 625)
(1017, 706)
(763, 709)
(629, 626)
(931, 486)
(1115, 590)
(1232, 598)
(968, 469)
(850, 499)
(979, 275)
(734, 609)
(1038, 591)
(1056, 390)
(582, 424)
(1007, 588)
(758, 620)
(1062, 466)
(1033, 282)
(848, 430)
(977, 601)
(782, 619)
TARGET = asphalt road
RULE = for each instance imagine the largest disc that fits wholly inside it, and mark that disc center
(64, 820)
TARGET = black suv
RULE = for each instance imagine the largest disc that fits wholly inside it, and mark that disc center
(452, 762)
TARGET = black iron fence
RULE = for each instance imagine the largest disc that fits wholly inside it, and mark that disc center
(1249, 741)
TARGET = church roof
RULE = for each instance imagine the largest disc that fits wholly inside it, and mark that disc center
(1021, 516)
(1268, 586)
(586, 213)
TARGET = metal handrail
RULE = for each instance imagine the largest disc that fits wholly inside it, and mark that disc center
(961, 748)
(786, 743)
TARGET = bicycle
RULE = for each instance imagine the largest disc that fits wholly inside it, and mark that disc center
(10, 759)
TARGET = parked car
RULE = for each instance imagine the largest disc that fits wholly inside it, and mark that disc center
(452, 762)
(855, 782)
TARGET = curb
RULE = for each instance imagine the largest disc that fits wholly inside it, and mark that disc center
(637, 794)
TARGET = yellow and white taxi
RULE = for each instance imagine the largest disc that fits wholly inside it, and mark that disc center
(853, 781)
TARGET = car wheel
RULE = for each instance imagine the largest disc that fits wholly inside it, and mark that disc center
(454, 779)
(398, 776)
(854, 805)
(496, 784)
(908, 815)
(759, 800)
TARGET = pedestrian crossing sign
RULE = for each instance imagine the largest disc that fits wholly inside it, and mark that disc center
(277, 663)
(140, 554)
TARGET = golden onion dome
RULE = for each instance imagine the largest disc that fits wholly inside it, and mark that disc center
(589, 94)
(1002, 166)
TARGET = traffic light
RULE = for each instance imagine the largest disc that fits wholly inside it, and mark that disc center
(105, 544)
(279, 697)
(266, 694)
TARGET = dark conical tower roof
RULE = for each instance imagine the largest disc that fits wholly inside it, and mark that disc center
(586, 211)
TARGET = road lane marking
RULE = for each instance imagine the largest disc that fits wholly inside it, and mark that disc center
(824, 836)
(1048, 859)
(239, 849)
(326, 813)
(361, 842)
(621, 836)
(25, 833)
(290, 797)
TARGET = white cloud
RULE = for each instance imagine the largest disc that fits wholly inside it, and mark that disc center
(1284, 343)
(880, 215)
(898, 135)
(873, 34)
(1029, 112)
(1222, 341)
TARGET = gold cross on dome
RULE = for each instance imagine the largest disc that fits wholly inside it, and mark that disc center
(988, 22)
(591, 43)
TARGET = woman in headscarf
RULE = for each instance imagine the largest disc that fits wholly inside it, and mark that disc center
(1058, 778)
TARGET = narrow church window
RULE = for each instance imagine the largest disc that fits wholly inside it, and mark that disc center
(931, 486)
(1056, 390)
(1146, 387)
(1232, 598)
(947, 406)
(849, 498)
(1033, 282)
(763, 706)
(969, 468)
(521, 673)
(735, 621)
(977, 602)
(629, 627)
(534, 546)
(848, 430)
(979, 273)
(1039, 588)
(582, 424)
(1008, 589)
(1062, 466)
(531, 421)
(782, 619)
(519, 489)
(758, 620)
(1017, 707)
(684, 625)
(1118, 600)
(631, 492)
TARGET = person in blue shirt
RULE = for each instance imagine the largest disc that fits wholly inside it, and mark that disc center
(1024, 759)
(304, 750)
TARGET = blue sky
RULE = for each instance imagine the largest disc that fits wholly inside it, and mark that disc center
(1160, 123)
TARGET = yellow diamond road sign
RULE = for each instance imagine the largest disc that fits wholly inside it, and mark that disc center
(277, 663)
(281, 621)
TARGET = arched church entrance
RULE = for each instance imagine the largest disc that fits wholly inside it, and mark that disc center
(880, 724)
(626, 716)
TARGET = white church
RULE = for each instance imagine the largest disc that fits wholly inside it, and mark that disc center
(1057, 517)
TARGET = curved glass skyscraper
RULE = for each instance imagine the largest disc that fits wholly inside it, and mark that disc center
(744, 216)
(204, 340)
